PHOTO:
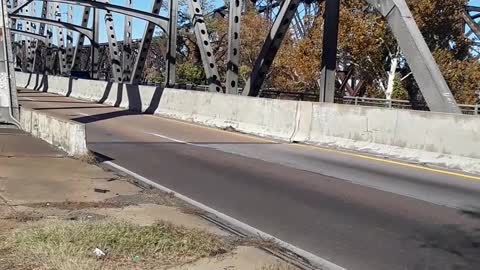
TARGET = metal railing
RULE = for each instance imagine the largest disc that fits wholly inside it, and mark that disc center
(400, 104)
(359, 101)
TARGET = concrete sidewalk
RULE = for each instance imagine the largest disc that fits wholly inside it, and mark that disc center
(39, 185)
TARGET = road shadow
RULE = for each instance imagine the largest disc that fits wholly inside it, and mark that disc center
(70, 108)
(70, 87)
(127, 96)
(103, 116)
(135, 104)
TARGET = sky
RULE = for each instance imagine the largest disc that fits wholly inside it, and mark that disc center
(138, 25)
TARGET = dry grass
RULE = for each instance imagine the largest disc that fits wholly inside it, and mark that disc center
(279, 266)
(89, 158)
(70, 245)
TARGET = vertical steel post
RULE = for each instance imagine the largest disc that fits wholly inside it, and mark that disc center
(95, 46)
(172, 43)
(127, 53)
(329, 57)
(81, 39)
(28, 27)
(41, 31)
(270, 47)
(116, 65)
(69, 50)
(49, 55)
(203, 41)
(13, 21)
(233, 46)
(144, 46)
(60, 42)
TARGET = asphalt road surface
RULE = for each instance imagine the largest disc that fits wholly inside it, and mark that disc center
(357, 211)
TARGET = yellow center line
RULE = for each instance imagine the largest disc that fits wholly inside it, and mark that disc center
(392, 162)
(318, 148)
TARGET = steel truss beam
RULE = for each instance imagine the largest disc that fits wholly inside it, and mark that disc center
(115, 62)
(270, 47)
(127, 53)
(172, 43)
(14, 4)
(233, 46)
(62, 58)
(81, 40)
(95, 56)
(41, 32)
(434, 88)
(49, 55)
(30, 42)
(203, 42)
(17, 8)
(161, 21)
(470, 20)
(145, 45)
(329, 55)
(69, 45)
(82, 30)
(44, 39)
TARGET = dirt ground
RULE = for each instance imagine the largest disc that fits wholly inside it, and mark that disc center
(56, 211)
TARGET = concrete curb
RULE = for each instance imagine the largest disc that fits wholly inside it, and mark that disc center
(66, 135)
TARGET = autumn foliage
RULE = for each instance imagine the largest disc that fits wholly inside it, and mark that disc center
(366, 45)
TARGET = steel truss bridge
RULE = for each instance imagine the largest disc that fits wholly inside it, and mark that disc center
(125, 59)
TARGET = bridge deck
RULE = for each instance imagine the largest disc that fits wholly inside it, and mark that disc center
(355, 211)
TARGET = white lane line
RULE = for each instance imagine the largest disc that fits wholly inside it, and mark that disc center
(171, 139)
(27, 98)
(313, 259)
(88, 115)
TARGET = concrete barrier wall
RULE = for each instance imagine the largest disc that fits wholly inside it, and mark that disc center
(66, 135)
(436, 138)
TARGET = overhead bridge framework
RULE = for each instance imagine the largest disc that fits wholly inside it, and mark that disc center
(126, 66)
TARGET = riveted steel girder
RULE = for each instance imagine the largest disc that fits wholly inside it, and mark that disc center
(161, 21)
(172, 43)
(127, 53)
(69, 40)
(62, 56)
(17, 8)
(115, 62)
(144, 45)
(49, 57)
(270, 47)
(81, 39)
(29, 34)
(428, 76)
(329, 55)
(41, 32)
(474, 26)
(203, 42)
(82, 30)
(95, 48)
(233, 61)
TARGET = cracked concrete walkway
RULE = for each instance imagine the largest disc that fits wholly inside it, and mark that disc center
(39, 182)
